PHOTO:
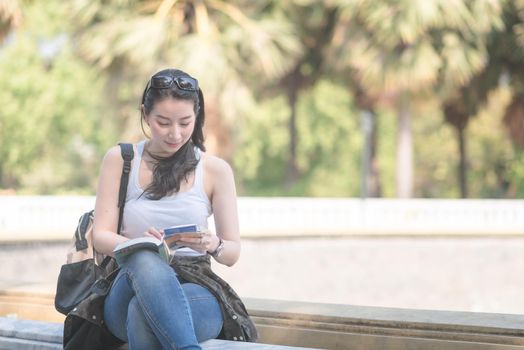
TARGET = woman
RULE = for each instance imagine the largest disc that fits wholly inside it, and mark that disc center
(152, 305)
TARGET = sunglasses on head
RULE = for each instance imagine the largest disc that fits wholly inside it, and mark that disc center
(167, 81)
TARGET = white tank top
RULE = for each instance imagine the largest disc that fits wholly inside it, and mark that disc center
(188, 207)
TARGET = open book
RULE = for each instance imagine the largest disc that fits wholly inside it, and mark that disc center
(126, 248)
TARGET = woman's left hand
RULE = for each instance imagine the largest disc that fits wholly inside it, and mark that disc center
(207, 242)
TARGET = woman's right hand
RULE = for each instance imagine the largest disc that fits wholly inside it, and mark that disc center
(153, 232)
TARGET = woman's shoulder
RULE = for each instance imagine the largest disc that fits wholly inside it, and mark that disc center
(218, 176)
(218, 173)
(113, 154)
(216, 165)
(113, 160)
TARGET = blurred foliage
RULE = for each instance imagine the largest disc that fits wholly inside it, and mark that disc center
(436, 153)
(516, 174)
(330, 145)
(408, 45)
(491, 152)
(66, 96)
(52, 125)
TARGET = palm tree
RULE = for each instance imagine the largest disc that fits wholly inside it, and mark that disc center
(227, 44)
(339, 68)
(469, 74)
(504, 42)
(458, 110)
(401, 50)
(314, 23)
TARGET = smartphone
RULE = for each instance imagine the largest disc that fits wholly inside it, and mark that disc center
(181, 229)
(173, 234)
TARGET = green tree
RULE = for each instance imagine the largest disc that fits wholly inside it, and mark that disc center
(314, 23)
(328, 151)
(491, 153)
(52, 126)
(401, 51)
(464, 47)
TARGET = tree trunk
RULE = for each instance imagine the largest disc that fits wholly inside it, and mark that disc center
(292, 167)
(374, 188)
(458, 117)
(404, 162)
(370, 166)
(370, 185)
(462, 168)
(366, 121)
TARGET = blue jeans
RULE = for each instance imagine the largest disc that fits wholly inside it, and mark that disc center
(150, 308)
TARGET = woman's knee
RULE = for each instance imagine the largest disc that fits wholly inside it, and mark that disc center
(148, 275)
(146, 263)
(145, 258)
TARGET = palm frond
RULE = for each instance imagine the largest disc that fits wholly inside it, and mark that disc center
(413, 44)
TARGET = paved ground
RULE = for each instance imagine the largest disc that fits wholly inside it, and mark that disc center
(471, 274)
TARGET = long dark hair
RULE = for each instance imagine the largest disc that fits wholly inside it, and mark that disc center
(169, 172)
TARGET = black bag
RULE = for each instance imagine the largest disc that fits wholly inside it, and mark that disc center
(82, 269)
(84, 327)
(87, 275)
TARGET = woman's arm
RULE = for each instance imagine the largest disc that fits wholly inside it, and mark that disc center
(220, 186)
(105, 237)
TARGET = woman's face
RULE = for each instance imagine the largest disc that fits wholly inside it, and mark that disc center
(171, 122)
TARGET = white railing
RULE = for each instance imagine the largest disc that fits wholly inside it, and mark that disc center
(55, 217)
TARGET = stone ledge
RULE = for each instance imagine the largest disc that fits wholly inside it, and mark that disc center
(18, 334)
(331, 326)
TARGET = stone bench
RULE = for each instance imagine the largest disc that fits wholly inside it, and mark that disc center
(288, 324)
(16, 334)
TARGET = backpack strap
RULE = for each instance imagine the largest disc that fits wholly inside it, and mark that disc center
(127, 154)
